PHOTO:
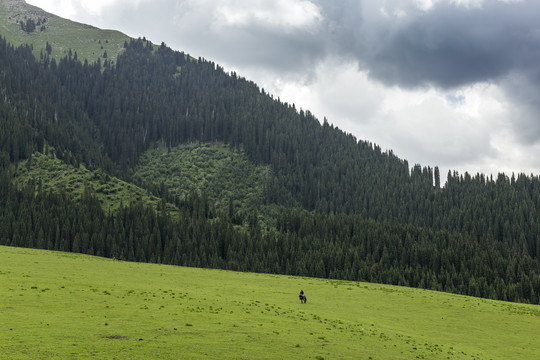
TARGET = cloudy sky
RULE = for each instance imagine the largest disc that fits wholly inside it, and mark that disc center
(448, 83)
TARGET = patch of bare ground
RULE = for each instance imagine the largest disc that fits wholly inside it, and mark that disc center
(115, 337)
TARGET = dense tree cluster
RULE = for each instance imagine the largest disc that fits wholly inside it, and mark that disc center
(382, 220)
(30, 25)
(328, 246)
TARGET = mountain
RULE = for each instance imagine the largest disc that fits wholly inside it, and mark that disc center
(245, 181)
(60, 34)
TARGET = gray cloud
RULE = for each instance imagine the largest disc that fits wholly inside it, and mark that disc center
(447, 47)
(200, 29)
(523, 88)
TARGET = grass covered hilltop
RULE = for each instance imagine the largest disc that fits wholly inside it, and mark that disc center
(60, 305)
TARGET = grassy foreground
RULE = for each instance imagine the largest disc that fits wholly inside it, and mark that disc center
(60, 305)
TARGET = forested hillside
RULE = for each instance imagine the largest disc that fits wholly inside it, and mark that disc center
(348, 210)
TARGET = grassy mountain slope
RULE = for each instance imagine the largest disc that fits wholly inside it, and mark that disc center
(55, 174)
(89, 42)
(61, 305)
(216, 169)
(224, 174)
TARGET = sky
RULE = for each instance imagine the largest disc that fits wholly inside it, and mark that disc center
(447, 83)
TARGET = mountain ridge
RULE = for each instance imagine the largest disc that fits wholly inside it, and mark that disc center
(342, 208)
(61, 34)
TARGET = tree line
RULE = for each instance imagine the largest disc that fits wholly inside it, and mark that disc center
(328, 246)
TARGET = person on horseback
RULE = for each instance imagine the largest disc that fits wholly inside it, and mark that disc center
(303, 298)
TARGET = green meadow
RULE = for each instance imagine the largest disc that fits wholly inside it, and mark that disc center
(70, 306)
(90, 43)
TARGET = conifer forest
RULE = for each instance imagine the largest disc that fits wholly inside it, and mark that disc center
(332, 206)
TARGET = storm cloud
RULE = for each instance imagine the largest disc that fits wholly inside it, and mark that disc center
(400, 42)
(449, 45)
(453, 83)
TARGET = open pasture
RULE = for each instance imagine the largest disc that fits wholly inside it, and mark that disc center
(59, 305)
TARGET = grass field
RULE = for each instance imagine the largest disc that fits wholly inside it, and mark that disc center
(59, 305)
(90, 43)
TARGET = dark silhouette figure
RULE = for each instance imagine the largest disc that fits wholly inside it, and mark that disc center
(303, 298)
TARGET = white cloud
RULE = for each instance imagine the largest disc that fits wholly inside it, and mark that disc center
(63, 8)
(83, 10)
(468, 3)
(278, 14)
(426, 5)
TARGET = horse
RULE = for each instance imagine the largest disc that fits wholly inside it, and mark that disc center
(303, 298)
